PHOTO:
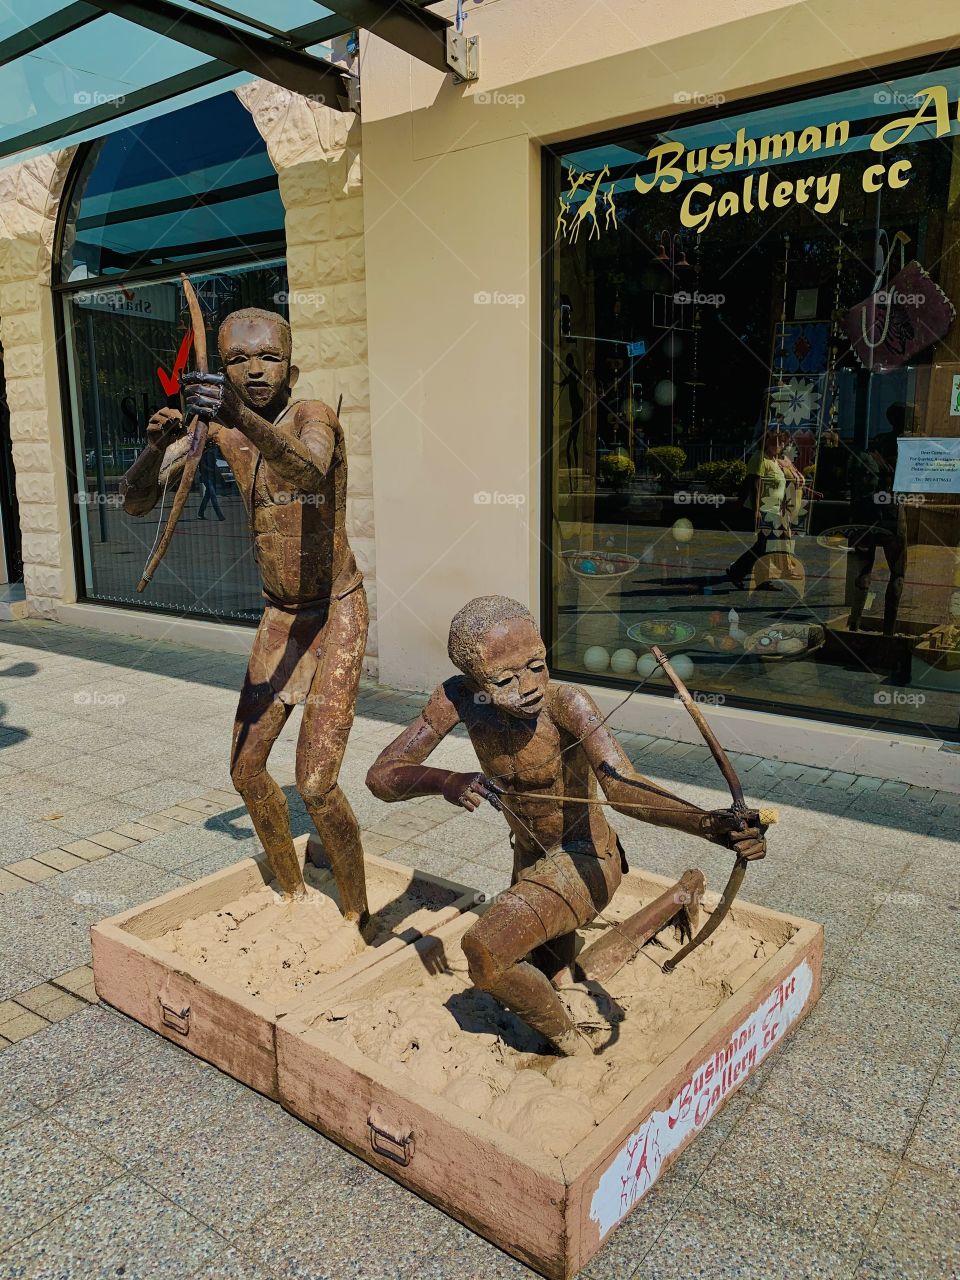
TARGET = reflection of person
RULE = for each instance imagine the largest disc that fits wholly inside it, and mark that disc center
(775, 496)
(880, 520)
(207, 471)
(289, 460)
(571, 384)
(548, 739)
(831, 462)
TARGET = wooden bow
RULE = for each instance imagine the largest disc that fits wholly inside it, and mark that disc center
(197, 430)
(740, 811)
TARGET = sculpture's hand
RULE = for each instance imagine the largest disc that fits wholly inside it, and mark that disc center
(721, 827)
(469, 790)
(208, 396)
(163, 427)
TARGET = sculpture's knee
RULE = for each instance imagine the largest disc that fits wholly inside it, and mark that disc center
(244, 775)
(484, 966)
(317, 787)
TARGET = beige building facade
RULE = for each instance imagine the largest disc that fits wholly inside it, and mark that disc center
(416, 272)
(455, 241)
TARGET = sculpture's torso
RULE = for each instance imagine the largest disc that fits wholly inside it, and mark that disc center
(300, 539)
(540, 757)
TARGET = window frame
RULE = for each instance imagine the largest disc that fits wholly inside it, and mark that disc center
(61, 292)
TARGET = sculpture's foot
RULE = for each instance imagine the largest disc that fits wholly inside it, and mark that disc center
(285, 866)
(366, 926)
(300, 893)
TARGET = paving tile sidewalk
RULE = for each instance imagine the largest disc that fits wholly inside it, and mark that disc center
(121, 1155)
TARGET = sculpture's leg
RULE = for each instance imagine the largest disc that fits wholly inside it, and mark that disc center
(327, 720)
(679, 904)
(532, 914)
(556, 959)
(260, 717)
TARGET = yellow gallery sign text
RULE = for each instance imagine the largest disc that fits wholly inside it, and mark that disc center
(673, 162)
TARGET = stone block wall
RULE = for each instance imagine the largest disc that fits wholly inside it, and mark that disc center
(29, 196)
(316, 152)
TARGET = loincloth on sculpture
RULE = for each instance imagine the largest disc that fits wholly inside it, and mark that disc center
(569, 884)
(289, 644)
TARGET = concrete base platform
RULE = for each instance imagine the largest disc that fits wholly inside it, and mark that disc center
(552, 1212)
(383, 1051)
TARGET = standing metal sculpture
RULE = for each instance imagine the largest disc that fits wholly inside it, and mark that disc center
(289, 461)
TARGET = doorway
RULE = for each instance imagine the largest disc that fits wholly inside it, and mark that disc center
(9, 509)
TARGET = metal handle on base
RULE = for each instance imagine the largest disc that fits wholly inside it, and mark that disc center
(176, 1019)
(400, 1148)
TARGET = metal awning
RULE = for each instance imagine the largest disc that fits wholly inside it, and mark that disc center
(72, 72)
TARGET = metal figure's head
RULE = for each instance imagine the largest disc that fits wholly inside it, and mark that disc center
(495, 643)
(255, 347)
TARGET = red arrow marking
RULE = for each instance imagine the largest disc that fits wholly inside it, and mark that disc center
(171, 381)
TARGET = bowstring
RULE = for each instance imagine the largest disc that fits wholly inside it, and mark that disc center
(652, 808)
(637, 949)
(163, 499)
(599, 725)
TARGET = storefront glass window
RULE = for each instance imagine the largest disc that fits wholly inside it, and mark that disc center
(752, 404)
(172, 195)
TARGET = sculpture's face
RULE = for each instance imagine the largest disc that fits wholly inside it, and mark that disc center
(256, 359)
(511, 671)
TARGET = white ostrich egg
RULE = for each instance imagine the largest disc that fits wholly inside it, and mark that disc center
(623, 662)
(596, 658)
(683, 666)
(647, 665)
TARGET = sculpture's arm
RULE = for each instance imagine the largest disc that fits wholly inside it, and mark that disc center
(635, 796)
(160, 462)
(141, 486)
(302, 460)
(398, 773)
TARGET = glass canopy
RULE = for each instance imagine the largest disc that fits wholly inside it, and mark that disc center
(191, 184)
(72, 72)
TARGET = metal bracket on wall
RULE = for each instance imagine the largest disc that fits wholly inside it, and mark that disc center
(352, 84)
(463, 55)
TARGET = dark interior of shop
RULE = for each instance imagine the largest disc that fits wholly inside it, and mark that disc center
(707, 355)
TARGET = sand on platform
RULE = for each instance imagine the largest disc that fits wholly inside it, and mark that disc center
(459, 1043)
(278, 950)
